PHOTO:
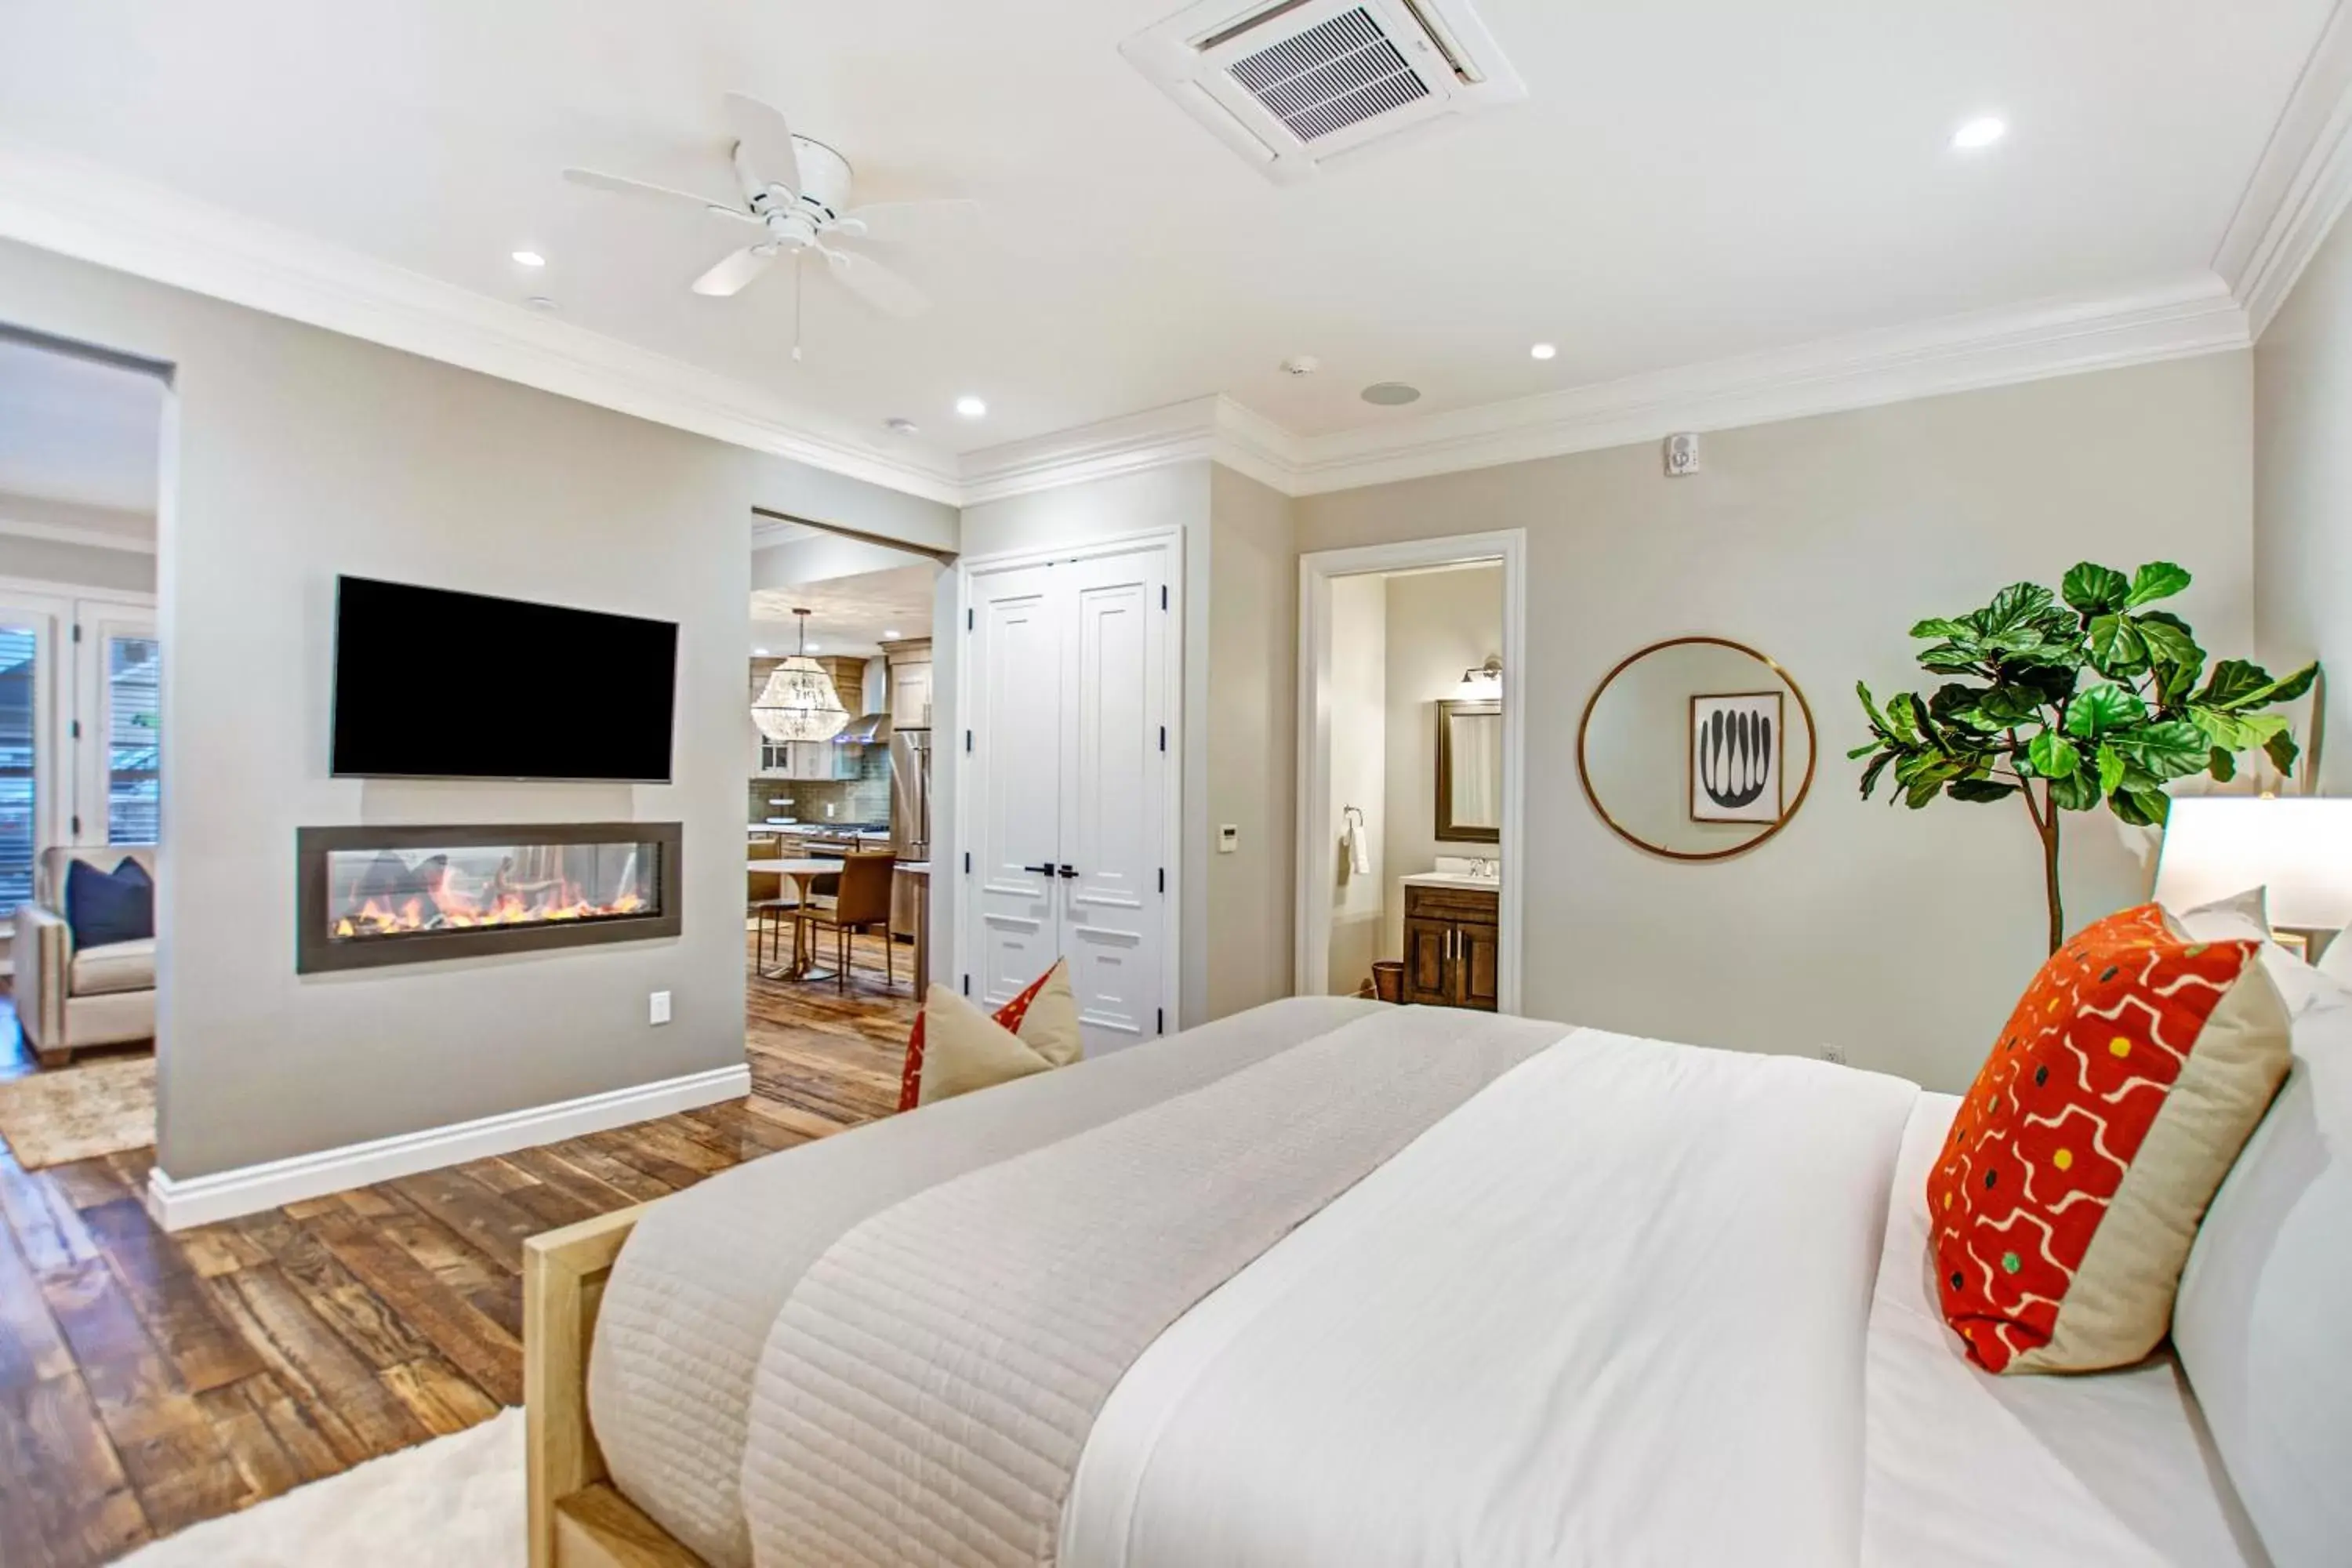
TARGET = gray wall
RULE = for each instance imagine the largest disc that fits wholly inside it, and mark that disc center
(302, 454)
(2302, 489)
(1902, 938)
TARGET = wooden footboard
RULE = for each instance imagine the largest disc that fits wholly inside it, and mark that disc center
(577, 1520)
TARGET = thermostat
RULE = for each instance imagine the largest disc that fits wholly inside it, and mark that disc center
(1682, 454)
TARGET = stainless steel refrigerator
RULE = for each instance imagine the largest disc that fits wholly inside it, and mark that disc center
(910, 793)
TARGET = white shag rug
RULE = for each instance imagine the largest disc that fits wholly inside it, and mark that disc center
(454, 1502)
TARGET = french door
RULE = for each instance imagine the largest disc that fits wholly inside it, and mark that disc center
(79, 732)
(1071, 784)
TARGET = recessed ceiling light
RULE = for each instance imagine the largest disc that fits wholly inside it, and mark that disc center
(1543, 351)
(541, 303)
(759, 653)
(529, 258)
(892, 635)
(816, 647)
(900, 427)
(971, 407)
(1301, 364)
(1983, 132)
(1391, 394)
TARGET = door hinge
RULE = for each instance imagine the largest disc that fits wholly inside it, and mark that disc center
(1160, 1020)
(1164, 595)
(76, 632)
(1163, 878)
(967, 984)
(77, 827)
(967, 740)
(75, 730)
(1163, 737)
(967, 862)
(967, 620)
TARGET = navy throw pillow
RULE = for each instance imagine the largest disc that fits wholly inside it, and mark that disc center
(110, 906)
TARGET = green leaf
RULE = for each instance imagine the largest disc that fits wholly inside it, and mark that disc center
(2223, 765)
(2053, 757)
(1979, 789)
(1903, 717)
(2012, 607)
(2096, 709)
(2117, 646)
(2095, 590)
(1951, 659)
(2294, 685)
(2157, 580)
(2142, 808)
(2171, 750)
(2173, 651)
(2076, 792)
(1869, 708)
(2281, 751)
(1937, 627)
(2111, 769)
(1870, 774)
(2234, 680)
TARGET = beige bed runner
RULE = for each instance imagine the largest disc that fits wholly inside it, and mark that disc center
(929, 1385)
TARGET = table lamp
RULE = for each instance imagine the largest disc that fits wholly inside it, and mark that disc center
(2300, 849)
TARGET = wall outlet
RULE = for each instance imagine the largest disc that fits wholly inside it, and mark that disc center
(828, 810)
(657, 1008)
(1229, 838)
(1834, 1054)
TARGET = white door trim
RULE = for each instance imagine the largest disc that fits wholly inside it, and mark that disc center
(1172, 829)
(1317, 840)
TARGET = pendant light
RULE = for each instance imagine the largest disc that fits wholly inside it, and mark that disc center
(799, 702)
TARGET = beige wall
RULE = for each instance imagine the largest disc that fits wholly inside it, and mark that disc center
(299, 455)
(1901, 938)
(1359, 773)
(1253, 741)
(2303, 490)
(1440, 623)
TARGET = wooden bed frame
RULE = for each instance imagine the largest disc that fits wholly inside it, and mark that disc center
(577, 1520)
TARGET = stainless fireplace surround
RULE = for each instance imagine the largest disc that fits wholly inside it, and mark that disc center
(367, 896)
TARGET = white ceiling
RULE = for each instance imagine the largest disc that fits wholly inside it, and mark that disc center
(849, 615)
(1689, 180)
(77, 431)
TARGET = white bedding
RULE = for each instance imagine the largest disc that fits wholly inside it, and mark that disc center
(1610, 1311)
(1966, 1468)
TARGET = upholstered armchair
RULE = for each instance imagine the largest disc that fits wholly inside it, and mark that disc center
(68, 1000)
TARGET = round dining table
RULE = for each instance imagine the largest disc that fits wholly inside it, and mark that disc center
(804, 873)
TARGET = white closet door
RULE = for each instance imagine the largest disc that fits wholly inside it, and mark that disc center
(1016, 652)
(1115, 791)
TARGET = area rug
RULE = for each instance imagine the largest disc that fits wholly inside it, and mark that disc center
(100, 1107)
(454, 1502)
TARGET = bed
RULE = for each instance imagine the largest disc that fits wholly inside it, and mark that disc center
(1334, 1282)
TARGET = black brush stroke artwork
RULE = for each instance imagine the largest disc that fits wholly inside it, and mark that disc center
(1734, 757)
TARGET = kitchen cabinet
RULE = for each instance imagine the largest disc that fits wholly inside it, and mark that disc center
(1453, 951)
(910, 683)
(807, 759)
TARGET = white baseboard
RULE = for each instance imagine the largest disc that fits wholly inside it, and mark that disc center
(249, 1189)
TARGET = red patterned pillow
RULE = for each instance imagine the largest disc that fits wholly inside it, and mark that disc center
(2070, 1185)
(1052, 1034)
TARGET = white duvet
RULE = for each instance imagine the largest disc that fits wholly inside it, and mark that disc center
(1613, 1311)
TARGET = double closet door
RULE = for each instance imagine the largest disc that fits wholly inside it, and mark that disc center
(1069, 785)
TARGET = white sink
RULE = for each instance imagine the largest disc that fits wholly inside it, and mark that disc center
(1452, 879)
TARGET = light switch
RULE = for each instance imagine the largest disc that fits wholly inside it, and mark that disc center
(658, 1011)
(1229, 838)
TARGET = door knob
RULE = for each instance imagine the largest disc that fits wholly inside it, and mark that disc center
(1044, 871)
(1069, 872)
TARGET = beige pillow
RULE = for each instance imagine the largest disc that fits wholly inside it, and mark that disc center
(964, 1048)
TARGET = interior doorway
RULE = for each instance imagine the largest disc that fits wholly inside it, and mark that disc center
(1411, 799)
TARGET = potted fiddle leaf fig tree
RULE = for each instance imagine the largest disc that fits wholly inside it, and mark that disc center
(2069, 700)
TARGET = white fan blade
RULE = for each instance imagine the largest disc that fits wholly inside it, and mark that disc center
(766, 141)
(891, 221)
(735, 271)
(620, 185)
(876, 284)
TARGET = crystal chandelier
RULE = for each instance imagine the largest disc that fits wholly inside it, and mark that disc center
(799, 702)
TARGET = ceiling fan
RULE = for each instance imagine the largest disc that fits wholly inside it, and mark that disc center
(795, 192)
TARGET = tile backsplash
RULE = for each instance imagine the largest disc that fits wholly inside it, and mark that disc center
(866, 798)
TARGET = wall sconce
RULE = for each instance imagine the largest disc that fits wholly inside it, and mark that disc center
(1483, 680)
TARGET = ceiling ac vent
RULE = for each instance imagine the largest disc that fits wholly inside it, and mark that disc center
(1296, 85)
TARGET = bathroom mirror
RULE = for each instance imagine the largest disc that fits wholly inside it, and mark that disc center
(1696, 747)
(1470, 771)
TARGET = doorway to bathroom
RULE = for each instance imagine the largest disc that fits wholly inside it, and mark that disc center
(1410, 796)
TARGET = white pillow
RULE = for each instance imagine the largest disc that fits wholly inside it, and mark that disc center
(2240, 917)
(2262, 1323)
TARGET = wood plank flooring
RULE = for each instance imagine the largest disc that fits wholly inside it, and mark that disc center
(149, 1381)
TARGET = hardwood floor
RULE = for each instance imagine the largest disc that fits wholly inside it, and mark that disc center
(149, 1381)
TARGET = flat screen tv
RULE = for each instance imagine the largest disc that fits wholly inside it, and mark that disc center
(436, 684)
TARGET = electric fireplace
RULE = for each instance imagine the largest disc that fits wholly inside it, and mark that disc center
(372, 896)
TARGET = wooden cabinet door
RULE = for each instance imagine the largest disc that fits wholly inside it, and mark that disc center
(1426, 979)
(1477, 963)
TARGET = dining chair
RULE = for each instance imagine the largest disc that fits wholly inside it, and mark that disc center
(863, 902)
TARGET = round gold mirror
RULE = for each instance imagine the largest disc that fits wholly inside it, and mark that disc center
(1697, 749)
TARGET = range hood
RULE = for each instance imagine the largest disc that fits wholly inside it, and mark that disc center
(866, 729)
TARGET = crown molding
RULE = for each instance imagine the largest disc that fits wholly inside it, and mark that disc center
(1957, 353)
(91, 213)
(2301, 185)
(67, 533)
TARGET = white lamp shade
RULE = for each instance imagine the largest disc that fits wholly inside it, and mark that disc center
(2300, 849)
(799, 703)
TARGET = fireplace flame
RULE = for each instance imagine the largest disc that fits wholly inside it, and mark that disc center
(450, 909)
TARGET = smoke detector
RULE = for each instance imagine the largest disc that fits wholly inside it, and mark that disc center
(1297, 84)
